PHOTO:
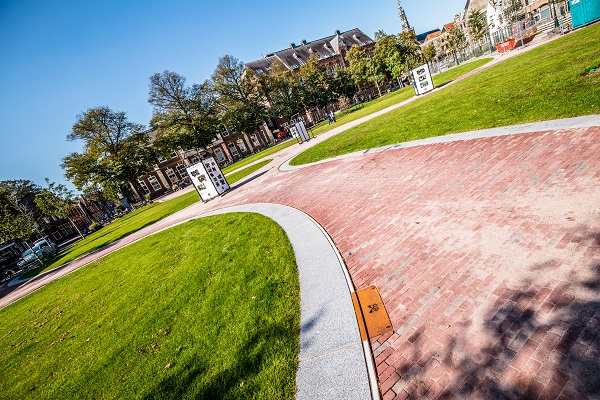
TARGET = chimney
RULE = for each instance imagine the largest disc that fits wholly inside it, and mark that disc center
(292, 45)
(304, 42)
(337, 32)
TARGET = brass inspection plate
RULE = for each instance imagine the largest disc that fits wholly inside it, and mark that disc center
(373, 319)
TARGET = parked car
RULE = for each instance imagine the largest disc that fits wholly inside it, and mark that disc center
(46, 242)
(42, 250)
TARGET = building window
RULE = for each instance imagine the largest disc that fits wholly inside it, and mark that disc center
(224, 131)
(172, 177)
(57, 236)
(195, 160)
(181, 169)
(174, 154)
(545, 12)
(161, 159)
(154, 182)
(144, 187)
(233, 149)
(254, 140)
(242, 145)
(220, 155)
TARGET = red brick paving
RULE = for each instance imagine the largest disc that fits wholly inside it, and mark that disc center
(486, 254)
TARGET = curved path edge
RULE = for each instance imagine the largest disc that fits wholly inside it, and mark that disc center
(334, 362)
(585, 121)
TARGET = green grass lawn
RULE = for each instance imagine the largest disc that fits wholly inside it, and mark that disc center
(236, 176)
(396, 97)
(367, 108)
(122, 227)
(205, 310)
(258, 156)
(545, 83)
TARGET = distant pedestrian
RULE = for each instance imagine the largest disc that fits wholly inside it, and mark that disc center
(328, 118)
(333, 117)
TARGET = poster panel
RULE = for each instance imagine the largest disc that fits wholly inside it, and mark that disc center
(208, 179)
(422, 80)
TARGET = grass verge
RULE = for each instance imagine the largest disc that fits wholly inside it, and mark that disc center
(396, 97)
(258, 156)
(207, 309)
(542, 84)
(120, 228)
(241, 174)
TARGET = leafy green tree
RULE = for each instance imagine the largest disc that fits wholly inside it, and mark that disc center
(429, 52)
(17, 221)
(411, 49)
(184, 116)
(318, 85)
(478, 26)
(364, 70)
(390, 54)
(240, 102)
(511, 12)
(342, 84)
(456, 41)
(283, 91)
(57, 201)
(115, 153)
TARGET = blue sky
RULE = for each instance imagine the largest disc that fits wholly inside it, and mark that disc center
(59, 58)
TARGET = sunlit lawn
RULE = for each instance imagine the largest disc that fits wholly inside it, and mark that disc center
(545, 83)
(358, 112)
(236, 176)
(205, 310)
(258, 156)
(396, 97)
(120, 228)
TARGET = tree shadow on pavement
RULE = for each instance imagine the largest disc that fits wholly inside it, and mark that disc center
(542, 342)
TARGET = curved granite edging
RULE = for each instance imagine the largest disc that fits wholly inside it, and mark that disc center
(586, 121)
(334, 363)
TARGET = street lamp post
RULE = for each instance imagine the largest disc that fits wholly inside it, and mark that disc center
(555, 16)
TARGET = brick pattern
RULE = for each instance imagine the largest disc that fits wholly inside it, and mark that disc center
(486, 253)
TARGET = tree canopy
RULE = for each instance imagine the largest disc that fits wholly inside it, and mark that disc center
(115, 152)
(17, 221)
(240, 102)
(183, 116)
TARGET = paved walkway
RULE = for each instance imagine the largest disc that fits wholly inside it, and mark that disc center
(486, 250)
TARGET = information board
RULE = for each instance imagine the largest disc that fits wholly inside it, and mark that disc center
(208, 179)
(422, 79)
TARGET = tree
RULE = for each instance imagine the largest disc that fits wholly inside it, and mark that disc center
(478, 26)
(240, 102)
(56, 201)
(184, 116)
(283, 91)
(411, 49)
(318, 85)
(116, 152)
(388, 52)
(456, 41)
(511, 13)
(17, 221)
(364, 70)
(342, 84)
(429, 52)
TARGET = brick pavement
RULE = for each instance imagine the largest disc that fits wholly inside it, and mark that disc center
(486, 253)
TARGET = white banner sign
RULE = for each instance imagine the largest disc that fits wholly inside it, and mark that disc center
(422, 79)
